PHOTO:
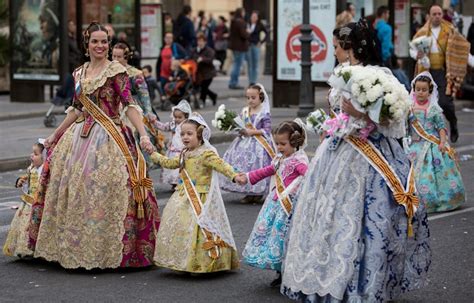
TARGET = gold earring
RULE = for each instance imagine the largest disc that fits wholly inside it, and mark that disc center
(87, 53)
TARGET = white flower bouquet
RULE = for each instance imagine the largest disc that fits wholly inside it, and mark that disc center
(374, 91)
(422, 44)
(224, 119)
(316, 119)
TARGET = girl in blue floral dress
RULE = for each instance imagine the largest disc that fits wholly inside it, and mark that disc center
(438, 180)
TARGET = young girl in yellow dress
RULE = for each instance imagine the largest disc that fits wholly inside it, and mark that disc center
(195, 234)
(16, 243)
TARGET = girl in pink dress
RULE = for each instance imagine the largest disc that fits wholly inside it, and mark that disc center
(266, 246)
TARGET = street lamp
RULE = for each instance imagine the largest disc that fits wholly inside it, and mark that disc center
(306, 104)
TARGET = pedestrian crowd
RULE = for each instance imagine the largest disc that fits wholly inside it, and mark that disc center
(349, 225)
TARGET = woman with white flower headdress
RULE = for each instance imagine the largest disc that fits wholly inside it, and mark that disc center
(438, 180)
(179, 114)
(252, 149)
(358, 233)
(195, 234)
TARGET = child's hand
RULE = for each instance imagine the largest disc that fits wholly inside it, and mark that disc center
(20, 182)
(442, 147)
(241, 179)
(244, 132)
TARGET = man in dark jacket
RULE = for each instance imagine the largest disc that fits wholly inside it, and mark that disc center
(184, 29)
(204, 55)
(239, 44)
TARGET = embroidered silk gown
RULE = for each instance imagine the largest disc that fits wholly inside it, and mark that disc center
(265, 247)
(438, 180)
(246, 154)
(180, 239)
(85, 214)
(348, 240)
(16, 243)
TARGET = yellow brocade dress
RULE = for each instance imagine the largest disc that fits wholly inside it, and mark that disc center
(16, 243)
(180, 240)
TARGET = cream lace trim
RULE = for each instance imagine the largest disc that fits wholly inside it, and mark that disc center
(91, 85)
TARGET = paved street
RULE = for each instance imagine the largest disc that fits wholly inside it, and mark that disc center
(451, 276)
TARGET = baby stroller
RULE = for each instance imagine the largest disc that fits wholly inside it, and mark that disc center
(183, 88)
(63, 97)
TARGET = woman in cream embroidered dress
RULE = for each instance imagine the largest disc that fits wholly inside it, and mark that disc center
(181, 241)
(349, 241)
(85, 214)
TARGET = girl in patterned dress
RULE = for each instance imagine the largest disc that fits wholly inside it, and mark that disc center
(195, 234)
(16, 243)
(438, 180)
(179, 114)
(266, 246)
(246, 153)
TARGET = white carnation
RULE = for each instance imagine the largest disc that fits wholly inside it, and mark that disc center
(219, 124)
(355, 88)
(389, 99)
(374, 93)
(221, 108)
(214, 123)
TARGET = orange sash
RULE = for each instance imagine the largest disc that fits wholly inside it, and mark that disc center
(403, 196)
(261, 139)
(433, 139)
(139, 182)
(28, 199)
(285, 201)
(213, 243)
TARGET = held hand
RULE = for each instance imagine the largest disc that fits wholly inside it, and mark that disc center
(151, 117)
(146, 145)
(241, 179)
(348, 108)
(50, 140)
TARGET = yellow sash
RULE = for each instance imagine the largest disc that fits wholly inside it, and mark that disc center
(261, 139)
(405, 197)
(28, 199)
(285, 201)
(433, 139)
(139, 182)
(213, 243)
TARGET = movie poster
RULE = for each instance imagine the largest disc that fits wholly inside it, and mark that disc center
(35, 35)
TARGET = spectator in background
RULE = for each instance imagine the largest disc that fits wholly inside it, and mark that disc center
(184, 29)
(75, 55)
(170, 50)
(111, 33)
(205, 29)
(239, 44)
(399, 73)
(470, 37)
(168, 23)
(384, 34)
(256, 39)
(151, 82)
(347, 16)
(221, 35)
(204, 55)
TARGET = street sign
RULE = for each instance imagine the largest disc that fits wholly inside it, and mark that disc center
(323, 21)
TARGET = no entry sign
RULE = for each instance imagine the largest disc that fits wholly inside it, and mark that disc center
(323, 20)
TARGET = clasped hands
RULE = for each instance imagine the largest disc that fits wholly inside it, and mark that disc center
(241, 179)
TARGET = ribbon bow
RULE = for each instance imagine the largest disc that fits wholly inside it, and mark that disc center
(139, 189)
(410, 202)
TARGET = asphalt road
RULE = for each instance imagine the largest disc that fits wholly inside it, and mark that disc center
(451, 276)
